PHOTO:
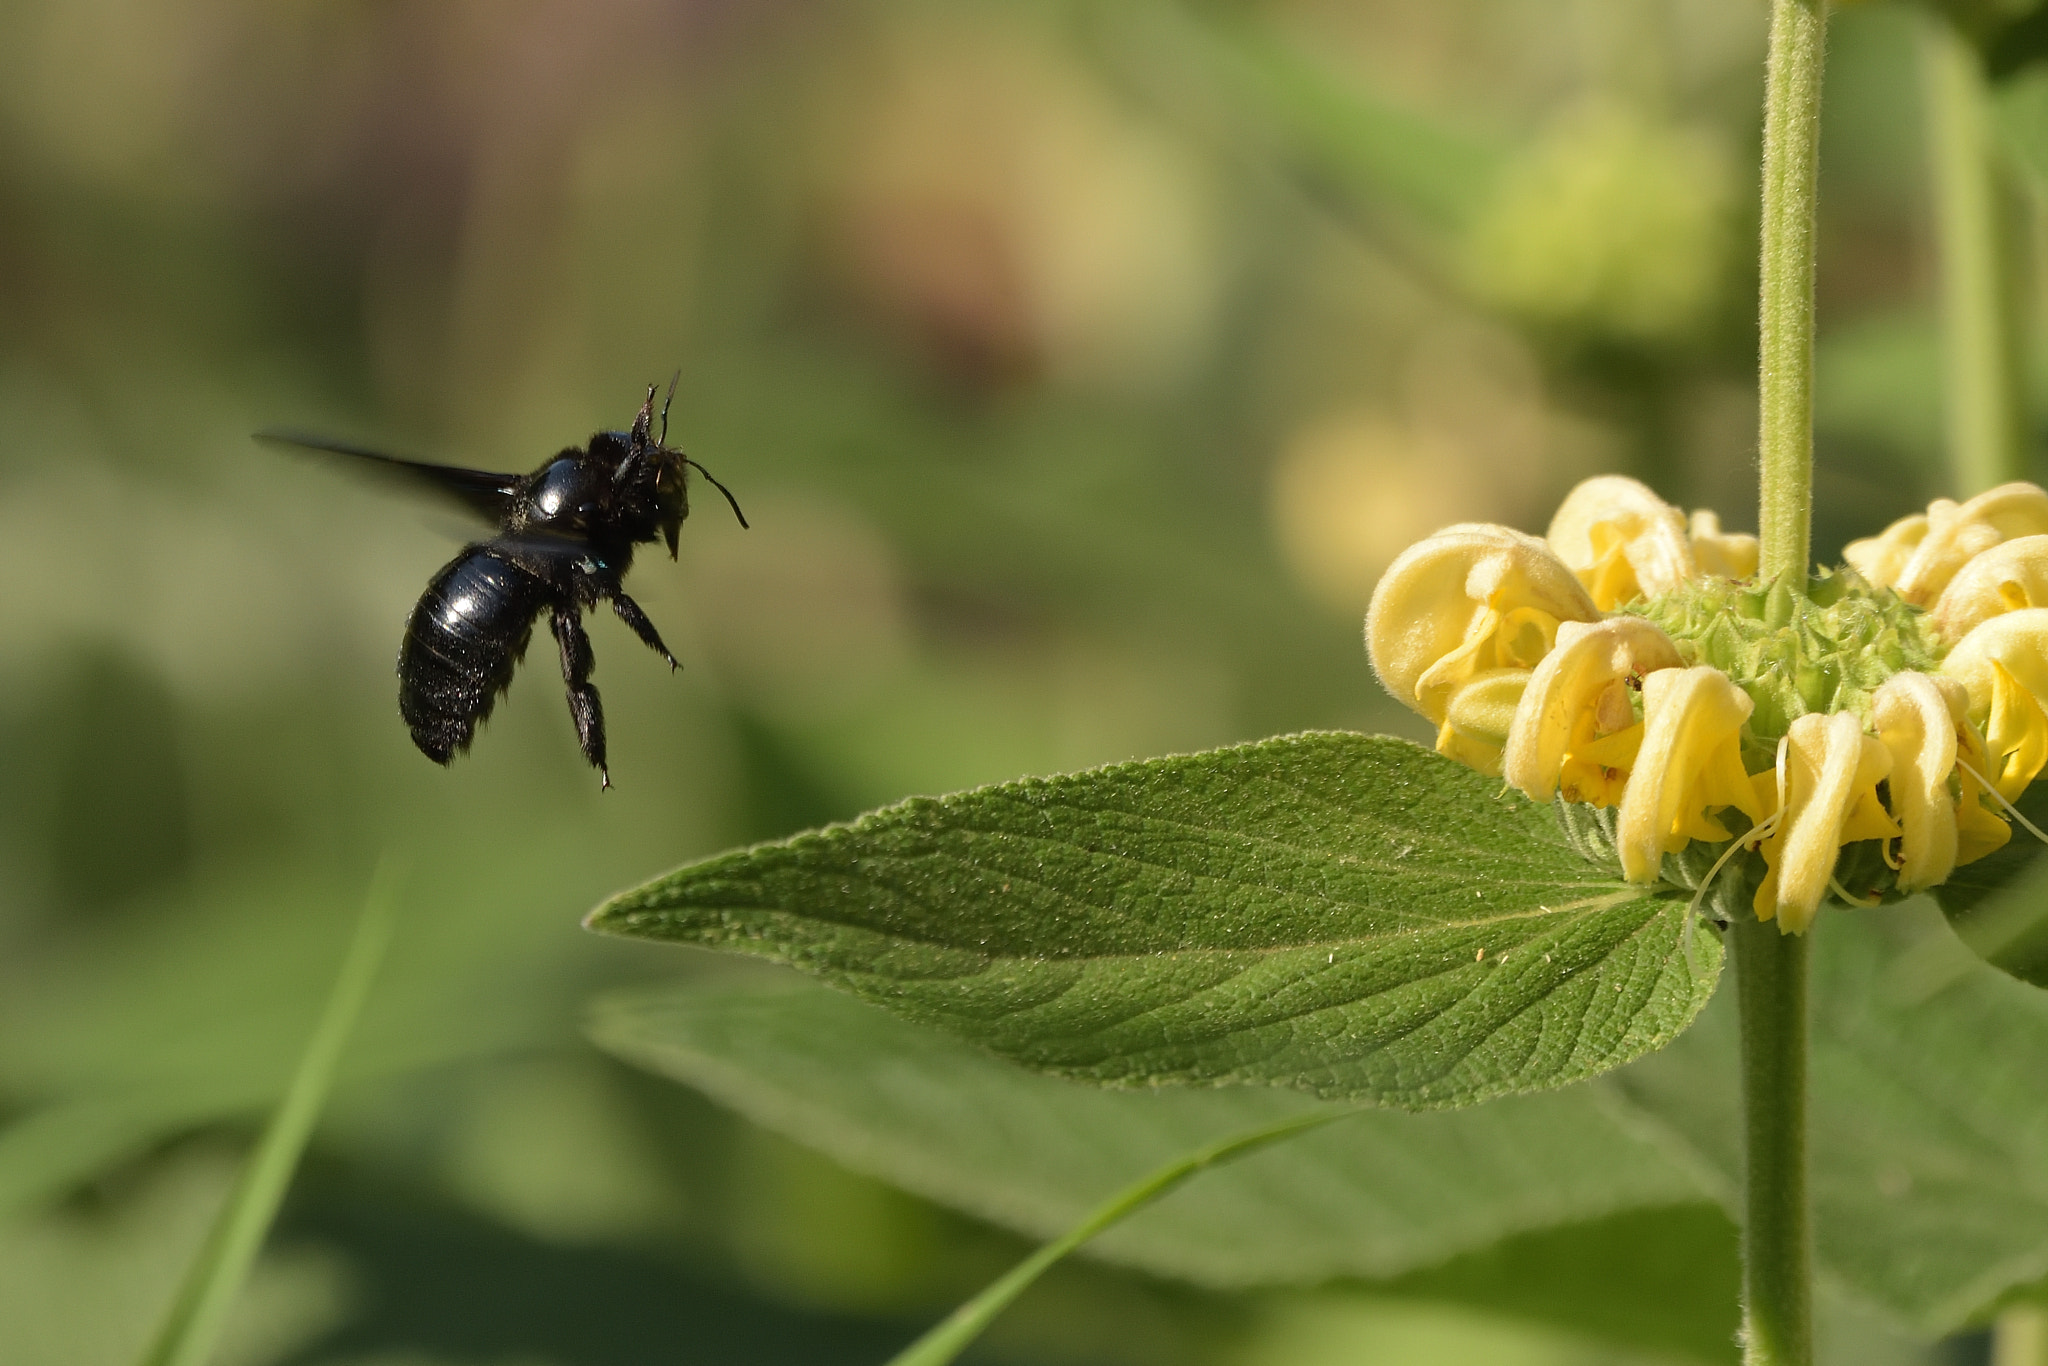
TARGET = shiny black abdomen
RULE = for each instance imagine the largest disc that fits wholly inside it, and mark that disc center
(462, 642)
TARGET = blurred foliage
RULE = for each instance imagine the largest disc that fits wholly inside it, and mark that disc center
(1080, 365)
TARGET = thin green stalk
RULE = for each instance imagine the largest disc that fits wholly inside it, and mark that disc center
(1979, 328)
(192, 1328)
(1771, 967)
(1777, 1238)
(1785, 311)
(961, 1327)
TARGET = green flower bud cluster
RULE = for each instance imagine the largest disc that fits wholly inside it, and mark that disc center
(1828, 651)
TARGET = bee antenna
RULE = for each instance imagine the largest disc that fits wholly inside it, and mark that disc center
(722, 489)
(674, 380)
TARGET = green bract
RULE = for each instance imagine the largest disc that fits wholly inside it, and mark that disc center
(1826, 652)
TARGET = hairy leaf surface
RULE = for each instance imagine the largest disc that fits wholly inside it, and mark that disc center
(1375, 1194)
(1929, 1123)
(1352, 915)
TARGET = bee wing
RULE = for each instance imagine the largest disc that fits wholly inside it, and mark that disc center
(487, 493)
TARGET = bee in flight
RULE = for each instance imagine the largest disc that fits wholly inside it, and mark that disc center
(565, 538)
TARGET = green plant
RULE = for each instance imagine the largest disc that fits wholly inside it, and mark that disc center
(1372, 923)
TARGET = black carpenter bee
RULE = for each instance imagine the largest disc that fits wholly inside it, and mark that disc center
(565, 539)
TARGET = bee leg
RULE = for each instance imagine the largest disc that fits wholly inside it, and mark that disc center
(577, 663)
(630, 613)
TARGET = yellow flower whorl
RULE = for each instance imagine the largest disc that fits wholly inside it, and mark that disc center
(1513, 648)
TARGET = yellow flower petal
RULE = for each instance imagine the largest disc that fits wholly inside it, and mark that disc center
(1828, 771)
(1577, 696)
(1953, 534)
(1690, 764)
(1980, 827)
(2009, 577)
(2003, 664)
(1622, 540)
(1468, 599)
(1597, 773)
(1880, 558)
(1730, 554)
(1916, 722)
(1478, 717)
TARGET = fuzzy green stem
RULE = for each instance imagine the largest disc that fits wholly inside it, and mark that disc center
(1979, 329)
(1770, 967)
(1785, 313)
(1777, 1239)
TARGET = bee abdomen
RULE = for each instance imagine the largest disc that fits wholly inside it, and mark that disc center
(462, 642)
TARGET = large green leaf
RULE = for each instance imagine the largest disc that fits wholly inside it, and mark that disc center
(1929, 1122)
(1375, 1195)
(1999, 905)
(1348, 914)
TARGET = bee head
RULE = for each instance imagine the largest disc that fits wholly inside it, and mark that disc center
(671, 494)
(655, 475)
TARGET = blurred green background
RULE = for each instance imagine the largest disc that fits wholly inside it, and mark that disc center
(1079, 366)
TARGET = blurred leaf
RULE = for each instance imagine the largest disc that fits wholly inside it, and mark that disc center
(2011, 46)
(53, 1148)
(2019, 110)
(188, 1011)
(1994, 24)
(1930, 1128)
(1997, 905)
(1385, 1193)
(952, 1335)
(191, 1331)
(1349, 914)
(82, 1286)
(1879, 383)
(1339, 131)
(1667, 1280)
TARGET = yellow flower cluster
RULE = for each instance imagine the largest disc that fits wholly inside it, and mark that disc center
(1537, 660)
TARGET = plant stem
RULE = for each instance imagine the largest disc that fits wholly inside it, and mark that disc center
(1777, 1240)
(1979, 330)
(1785, 312)
(1770, 966)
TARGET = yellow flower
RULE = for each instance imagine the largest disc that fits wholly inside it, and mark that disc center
(1478, 716)
(1922, 721)
(1690, 765)
(1622, 540)
(2003, 665)
(1916, 556)
(1576, 730)
(1980, 830)
(1828, 772)
(2009, 577)
(1880, 559)
(1730, 554)
(1471, 610)
(1506, 644)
